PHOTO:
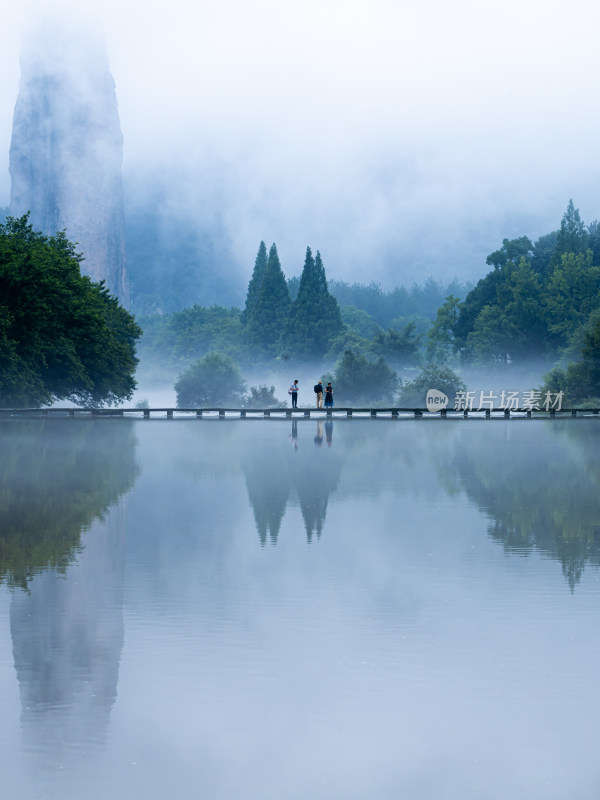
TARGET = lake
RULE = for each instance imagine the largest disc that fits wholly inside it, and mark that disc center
(273, 609)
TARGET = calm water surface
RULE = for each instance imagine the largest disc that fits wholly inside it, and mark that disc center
(261, 609)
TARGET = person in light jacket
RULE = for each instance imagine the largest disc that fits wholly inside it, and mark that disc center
(293, 391)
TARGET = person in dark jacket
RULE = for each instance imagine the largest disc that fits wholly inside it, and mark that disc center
(319, 393)
(329, 396)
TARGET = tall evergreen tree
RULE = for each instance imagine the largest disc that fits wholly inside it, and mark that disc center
(572, 236)
(267, 318)
(315, 318)
(260, 267)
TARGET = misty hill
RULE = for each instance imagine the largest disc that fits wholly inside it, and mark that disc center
(67, 149)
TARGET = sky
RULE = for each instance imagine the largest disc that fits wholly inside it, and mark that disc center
(402, 140)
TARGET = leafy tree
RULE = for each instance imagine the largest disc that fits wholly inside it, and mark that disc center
(580, 381)
(441, 344)
(413, 393)
(214, 379)
(511, 252)
(61, 335)
(513, 327)
(400, 347)
(356, 378)
(260, 267)
(485, 293)
(347, 340)
(262, 397)
(543, 251)
(358, 321)
(315, 318)
(266, 320)
(572, 293)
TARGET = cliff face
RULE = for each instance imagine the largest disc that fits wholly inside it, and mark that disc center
(66, 153)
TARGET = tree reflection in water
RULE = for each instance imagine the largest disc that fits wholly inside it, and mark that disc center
(539, 484)
(537, 481)
(56, 478)
(304, 475)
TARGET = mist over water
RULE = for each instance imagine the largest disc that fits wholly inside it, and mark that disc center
(277, 608)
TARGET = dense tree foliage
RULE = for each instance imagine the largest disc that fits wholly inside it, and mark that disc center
(580, 381)
(61, 335)
(172, 341)
(213, 380)
(356, 379)
(262, 397)
(420, 300)
(535, 303)
(442, 378)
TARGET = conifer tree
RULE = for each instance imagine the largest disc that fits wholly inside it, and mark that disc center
(260, 266)
(266, 319)
(572, 236)
(315, 316)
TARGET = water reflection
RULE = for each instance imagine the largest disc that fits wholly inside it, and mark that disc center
(538, 482)
(541, 492)
(403, 631)
(60, 479)
(277, 478)
(56, 478)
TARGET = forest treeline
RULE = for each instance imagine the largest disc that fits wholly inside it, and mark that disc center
(313, 320)
(63, 336)
(539, 301)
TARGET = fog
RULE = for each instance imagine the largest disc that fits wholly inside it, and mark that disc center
(401, 141)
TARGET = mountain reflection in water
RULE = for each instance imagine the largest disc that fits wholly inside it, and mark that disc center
(59, 479)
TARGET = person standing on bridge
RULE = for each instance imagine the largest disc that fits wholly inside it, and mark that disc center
(293, 391)
(319, 393)
(329, 396)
